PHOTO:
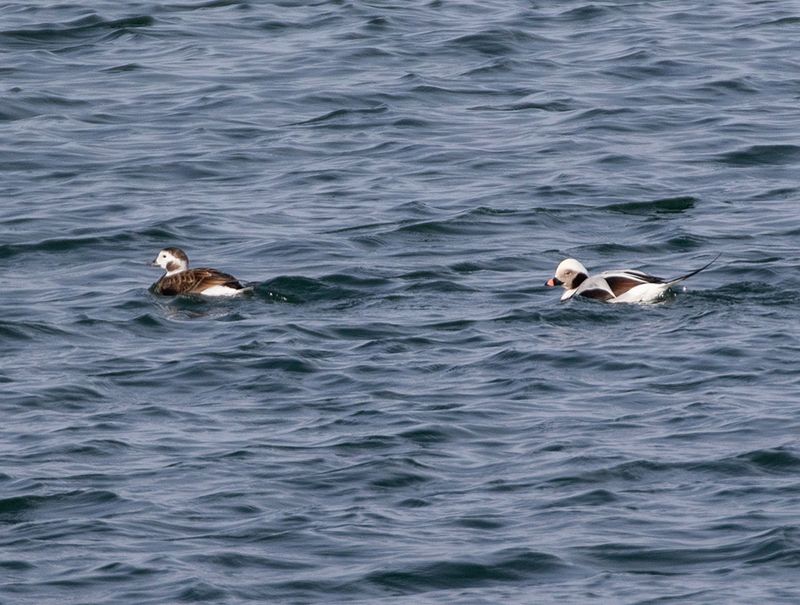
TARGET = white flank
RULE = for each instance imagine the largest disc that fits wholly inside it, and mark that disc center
(643, 294)
(221, 291)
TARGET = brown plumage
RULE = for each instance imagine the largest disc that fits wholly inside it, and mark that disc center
(194, 281)
(179, 279)
(620, 284)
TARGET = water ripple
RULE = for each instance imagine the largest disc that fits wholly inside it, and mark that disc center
(400, 410)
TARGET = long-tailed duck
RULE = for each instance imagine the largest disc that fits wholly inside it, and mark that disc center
(621, 286)
(180, 279)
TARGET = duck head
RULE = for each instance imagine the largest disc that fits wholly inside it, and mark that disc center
(569, 273)
(172, 260)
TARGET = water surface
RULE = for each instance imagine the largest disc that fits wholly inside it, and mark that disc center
(401, 411)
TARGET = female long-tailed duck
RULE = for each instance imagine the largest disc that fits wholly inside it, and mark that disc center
(621, 286)
(180, 279)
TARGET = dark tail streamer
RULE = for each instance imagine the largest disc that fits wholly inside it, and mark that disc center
(695, 272)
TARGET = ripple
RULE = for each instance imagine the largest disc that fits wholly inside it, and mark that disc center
(756, 155)
(400, 410)
(77, 29)
(663, 206)
(509, 566)
(21, 509)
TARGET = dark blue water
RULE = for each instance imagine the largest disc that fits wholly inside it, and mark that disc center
(401, 411)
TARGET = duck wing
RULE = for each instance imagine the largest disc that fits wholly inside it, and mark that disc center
(622, 280)
(194, 281)
(595, 287)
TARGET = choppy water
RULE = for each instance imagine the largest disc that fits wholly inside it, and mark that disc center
(401, 412)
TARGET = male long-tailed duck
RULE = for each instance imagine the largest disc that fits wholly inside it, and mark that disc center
(620, 286)
(180, 279)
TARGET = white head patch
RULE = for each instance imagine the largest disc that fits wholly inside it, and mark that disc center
(171, 263)
(568, 270)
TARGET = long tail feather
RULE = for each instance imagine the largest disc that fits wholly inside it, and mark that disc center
(695, 272)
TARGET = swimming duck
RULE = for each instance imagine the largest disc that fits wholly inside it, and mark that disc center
(180, 279)
(619, 286)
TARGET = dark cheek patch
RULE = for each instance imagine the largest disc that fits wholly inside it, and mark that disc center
(579, 279)
(172, 265)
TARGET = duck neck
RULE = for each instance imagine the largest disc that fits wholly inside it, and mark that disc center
(578, 280)
(174, 267)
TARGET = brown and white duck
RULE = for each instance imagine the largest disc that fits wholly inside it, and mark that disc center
(620, 286)
(180, 279)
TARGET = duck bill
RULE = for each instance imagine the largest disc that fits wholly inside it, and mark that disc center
(553, 281)
(153, 263)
